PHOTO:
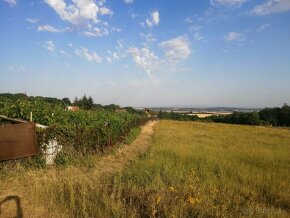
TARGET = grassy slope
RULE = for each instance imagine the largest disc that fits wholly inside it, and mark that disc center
(192, 169)
(211, 170)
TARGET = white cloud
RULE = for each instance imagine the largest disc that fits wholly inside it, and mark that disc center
(116, 29)
(79, 12)
(84, 14)
(91, 57)
(128, 1)
(234, 37)
(144, 58)
(64, 53)
(155, 17)
(101, 2)
(11, 2)
(51, 29)
(271, 7)
(106, 24)
(106, 11)
(49, 45)
(188, 20)
(263, 27)
(115, 56)
(48, 28)
(176, 49)
(228, 2)
(134, 15)
(97, 32)
(32, 20)
(104, 30)
(17, 68)
(148, 37)
(119, 44)
(197, 36)
(153, 20)
(109, 60)
(195, 28)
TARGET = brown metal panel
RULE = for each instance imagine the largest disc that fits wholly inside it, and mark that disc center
(17, 140)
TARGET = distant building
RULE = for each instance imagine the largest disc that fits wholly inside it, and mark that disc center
(72, 108)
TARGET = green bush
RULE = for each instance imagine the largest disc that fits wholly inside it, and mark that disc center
(38, 162)
(85, 131)
(62, 159)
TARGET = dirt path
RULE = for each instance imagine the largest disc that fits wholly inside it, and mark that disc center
(116, 162)
(17, 193)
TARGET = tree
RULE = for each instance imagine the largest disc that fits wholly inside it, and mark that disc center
(270, 115)
(111, 107)
(84, 102)
(90, 102)
(66, 101)
(284, 116)
(160, 115)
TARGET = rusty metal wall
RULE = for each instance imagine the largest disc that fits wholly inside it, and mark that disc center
(17, 140)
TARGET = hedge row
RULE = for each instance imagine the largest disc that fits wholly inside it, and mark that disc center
(83, 130)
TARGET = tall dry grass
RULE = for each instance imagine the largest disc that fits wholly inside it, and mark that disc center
(191, 170)
(198, 169)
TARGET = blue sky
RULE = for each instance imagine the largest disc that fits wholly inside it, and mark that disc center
(148, 53)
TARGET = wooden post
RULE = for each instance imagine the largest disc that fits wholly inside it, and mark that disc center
(31, 116)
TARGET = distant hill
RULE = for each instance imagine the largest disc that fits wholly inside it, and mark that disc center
(205, 109)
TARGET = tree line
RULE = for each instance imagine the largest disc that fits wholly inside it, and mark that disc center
(176, 116)
(23, 96)
(84, 102)
(268, 116)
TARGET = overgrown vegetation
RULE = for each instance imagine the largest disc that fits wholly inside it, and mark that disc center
(84, 131)
(193, 169)
(132, 135)
(18, 167)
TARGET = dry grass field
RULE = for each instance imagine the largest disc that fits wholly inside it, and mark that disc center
(191, 169)
(203, 115)
(198, 169)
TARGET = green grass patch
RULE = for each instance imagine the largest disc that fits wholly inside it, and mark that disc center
(132, 135)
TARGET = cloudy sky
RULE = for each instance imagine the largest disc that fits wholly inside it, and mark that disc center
(148, 52)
